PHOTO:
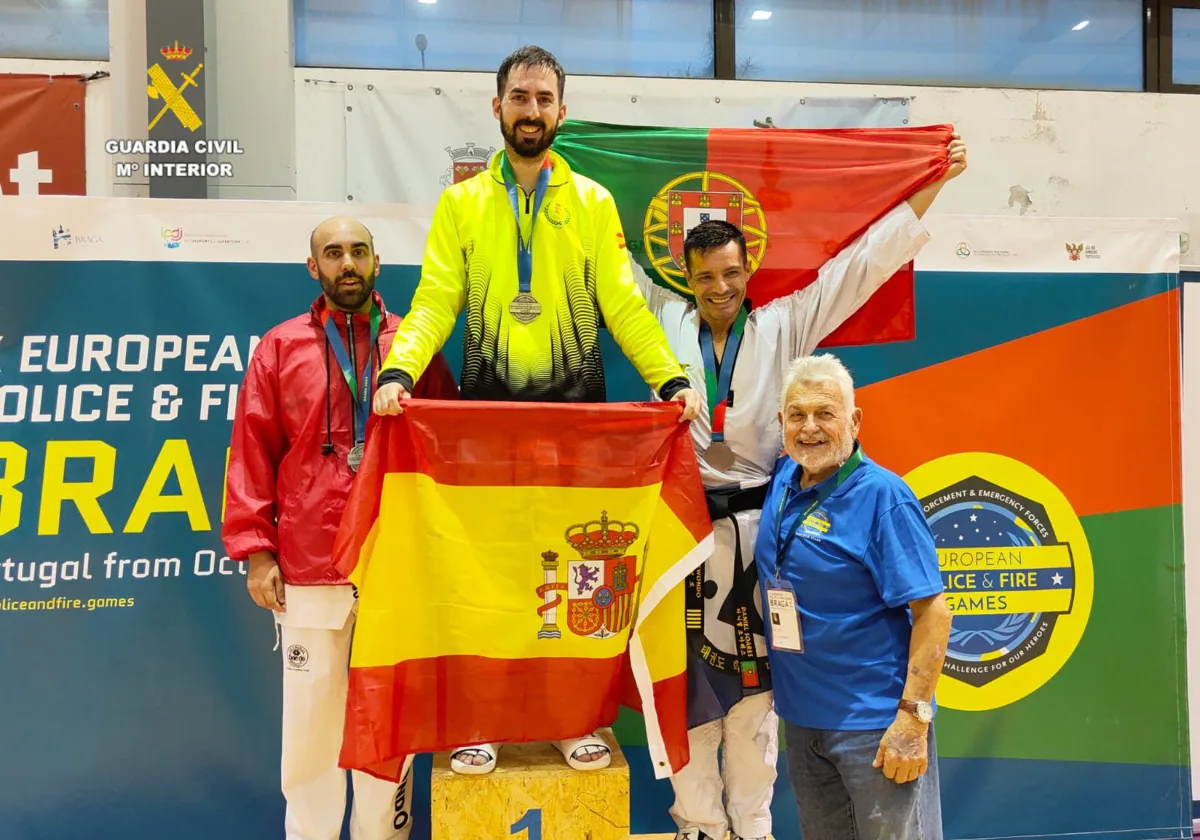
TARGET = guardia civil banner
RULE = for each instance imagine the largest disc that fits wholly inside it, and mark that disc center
(141, 685)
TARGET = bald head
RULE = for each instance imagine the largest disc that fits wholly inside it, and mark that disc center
(344, 261)
(342, 230)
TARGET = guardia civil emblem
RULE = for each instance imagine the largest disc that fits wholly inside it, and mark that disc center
(690, 200)
(599, 585)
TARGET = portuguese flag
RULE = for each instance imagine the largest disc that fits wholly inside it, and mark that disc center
(520, 577)
(799, 196)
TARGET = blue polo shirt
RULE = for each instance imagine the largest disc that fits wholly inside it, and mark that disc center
(855, 564)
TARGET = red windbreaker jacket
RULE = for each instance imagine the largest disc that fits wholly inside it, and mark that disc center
(288, 481)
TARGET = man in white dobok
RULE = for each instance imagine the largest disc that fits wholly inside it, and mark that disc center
(736, 357)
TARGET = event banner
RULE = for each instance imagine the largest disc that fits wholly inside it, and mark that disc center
(1064, 693)
(142, 685)
(42, 135)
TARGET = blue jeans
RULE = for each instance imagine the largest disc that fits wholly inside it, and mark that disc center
(841, 796)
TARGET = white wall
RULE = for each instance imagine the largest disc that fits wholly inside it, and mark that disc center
(1050, 153)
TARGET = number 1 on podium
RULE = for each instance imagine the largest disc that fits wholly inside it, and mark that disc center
(532, 820)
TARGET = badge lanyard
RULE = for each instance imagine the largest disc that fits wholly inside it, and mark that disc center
(718, 387)
(843, 473)
(362, 397)
(525, 249)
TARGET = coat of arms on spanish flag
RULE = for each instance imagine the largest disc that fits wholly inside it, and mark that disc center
(520, 570)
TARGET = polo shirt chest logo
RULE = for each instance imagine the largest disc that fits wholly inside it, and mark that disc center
(816, 524)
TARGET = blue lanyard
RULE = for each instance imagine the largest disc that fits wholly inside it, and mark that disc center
(525, 249)
(781, 546)
(362, 396)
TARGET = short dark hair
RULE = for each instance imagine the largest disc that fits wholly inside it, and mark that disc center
(707, 236)
(530, 56)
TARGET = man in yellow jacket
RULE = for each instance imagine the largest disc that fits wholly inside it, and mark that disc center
(535, 294)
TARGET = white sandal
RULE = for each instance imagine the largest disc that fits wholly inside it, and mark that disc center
(490, 751)
(591, 743)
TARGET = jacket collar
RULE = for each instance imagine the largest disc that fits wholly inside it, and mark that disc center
(320, 308)
(560, 170)
(832, 479)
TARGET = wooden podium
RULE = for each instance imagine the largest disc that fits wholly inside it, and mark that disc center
(531, 795)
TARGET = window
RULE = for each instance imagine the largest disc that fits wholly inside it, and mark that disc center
(63, 29)
(589, 37)
(1173, 46)
(1185, 46)
(1057, 44)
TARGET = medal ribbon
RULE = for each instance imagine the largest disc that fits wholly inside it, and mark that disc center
(362, 397)
(853, 463)
(525, 249)
(717, 388)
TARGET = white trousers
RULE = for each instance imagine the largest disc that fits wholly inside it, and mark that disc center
(315, 635)
(739, 798)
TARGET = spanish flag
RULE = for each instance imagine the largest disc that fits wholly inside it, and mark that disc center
(520, 571)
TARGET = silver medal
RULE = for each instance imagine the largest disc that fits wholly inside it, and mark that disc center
(354, 456)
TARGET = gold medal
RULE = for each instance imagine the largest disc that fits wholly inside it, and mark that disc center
(525, 308)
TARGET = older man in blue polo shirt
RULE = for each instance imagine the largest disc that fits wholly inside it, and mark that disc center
(858, 625)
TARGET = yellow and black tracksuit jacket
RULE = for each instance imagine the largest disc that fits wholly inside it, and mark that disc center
(581, 277)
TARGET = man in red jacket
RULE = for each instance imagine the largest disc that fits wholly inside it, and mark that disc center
(297, 441)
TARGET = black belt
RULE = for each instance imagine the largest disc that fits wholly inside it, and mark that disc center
(738, 609)
(723, 502)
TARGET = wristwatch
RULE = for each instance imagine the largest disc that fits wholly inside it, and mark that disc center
(918, 708)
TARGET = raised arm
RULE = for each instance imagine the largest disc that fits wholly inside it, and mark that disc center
(848, 280)
(656, 295)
